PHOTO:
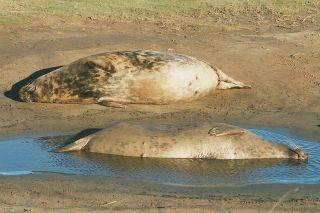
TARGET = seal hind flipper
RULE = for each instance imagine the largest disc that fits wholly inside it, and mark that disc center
(77, 145)
(226, 82)
(300, 154)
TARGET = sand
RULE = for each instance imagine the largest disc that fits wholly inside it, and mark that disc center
(70, 193)
(282, 67)
(281, 64)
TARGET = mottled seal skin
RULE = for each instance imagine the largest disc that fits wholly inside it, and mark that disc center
(192, 140)
(146, 77)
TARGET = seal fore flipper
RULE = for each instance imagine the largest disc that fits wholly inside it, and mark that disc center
(216, 132)
(111, 104)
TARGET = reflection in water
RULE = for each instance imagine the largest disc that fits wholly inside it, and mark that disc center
(36, 155)
(188, 169)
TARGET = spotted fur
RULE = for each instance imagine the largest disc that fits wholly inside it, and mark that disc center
(182, 140)
(148, 77)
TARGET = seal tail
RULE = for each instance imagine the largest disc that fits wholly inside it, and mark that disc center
(226, 82)
(76, 146)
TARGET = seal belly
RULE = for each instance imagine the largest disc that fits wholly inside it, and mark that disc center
(189, 82)
(172, 84)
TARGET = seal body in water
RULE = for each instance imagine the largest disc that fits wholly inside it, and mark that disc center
(146, 77)
(192, 140)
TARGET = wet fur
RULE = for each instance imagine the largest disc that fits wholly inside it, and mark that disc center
(189, 140)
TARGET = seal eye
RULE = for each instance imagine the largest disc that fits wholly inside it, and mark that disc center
(94, 67)
(91, 65)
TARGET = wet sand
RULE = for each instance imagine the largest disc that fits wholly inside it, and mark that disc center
(67, 193)
(281, 64)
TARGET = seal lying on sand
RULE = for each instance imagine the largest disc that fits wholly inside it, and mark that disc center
(146, 77)
(196, 140)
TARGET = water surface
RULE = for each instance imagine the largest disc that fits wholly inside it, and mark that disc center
(26, 155)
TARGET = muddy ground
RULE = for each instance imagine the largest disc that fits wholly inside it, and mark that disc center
(281, 62)
(61, 193)
(282, 65)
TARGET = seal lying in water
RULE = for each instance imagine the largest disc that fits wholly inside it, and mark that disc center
(146, 77)
(196, 140)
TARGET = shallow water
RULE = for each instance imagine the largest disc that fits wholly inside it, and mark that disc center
(27, 155)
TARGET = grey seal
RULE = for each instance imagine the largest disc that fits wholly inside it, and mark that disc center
(124, 77)
(186, 140)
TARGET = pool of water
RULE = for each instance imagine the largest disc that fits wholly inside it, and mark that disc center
(28, 155)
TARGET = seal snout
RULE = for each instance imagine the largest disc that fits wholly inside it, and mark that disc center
(299, 154)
